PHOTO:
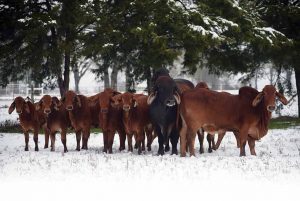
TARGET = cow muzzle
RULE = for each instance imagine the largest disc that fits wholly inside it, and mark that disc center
(69, 107)
(126, 108)
(47, 111)
(104, 110)
(271, 108)
(171, 103)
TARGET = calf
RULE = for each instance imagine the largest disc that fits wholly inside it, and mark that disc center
(83, 113)
(57, 118)
(247, 113)
(136, 119)
(110, 120)
(30, 120)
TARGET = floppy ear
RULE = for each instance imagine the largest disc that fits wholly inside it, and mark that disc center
(39, 105)
(282, 98)
(257, 99)
(151, 98)
(63, 99)
(78, 100)
(12, 107)
(56, 103)
(26, 105)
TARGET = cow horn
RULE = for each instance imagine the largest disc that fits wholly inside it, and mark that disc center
(135, 103)
(282, 98)
(257, 99)
(151, 98)
(177, 97)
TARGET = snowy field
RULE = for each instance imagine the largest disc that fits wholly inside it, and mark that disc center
(274, 174)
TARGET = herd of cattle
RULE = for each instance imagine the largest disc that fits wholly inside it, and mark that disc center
(174, 109)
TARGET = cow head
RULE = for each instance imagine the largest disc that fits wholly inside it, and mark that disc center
(268, 97)
(70, 100)
(202, 85)
(20, 105)
(165, 91)
(104, 100)
(47, 104)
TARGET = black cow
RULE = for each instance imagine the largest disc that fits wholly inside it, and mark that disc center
(164, 100)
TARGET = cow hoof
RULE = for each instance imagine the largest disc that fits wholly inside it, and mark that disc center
(149, 149)
(209, 150)
(66, 150)
(46, 146)
(77, 149)
(174, 152)
(26, 148)
(183, 155)
(121, 148)
(167, 148)
(139, 152)
(52, 149)
(201, 151)
(136, 146)
(36, 149)
(160, 152)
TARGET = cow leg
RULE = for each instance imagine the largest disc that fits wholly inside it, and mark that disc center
(209, 140)
(122, 138)
(26, 135)
(174, 141)
(105, 141)
(242, 147)
(52, 136)
(78, 136)
(46, 137)
(85, 138)
(201, 140)
(167, 147)
(251, 143)
(140, 139)
(64, 139)
(35, 138)
(129, 138)
(192, 142)
(149, 137)
(213, 142)
(183, 139)
(143, 137)
(111, 137)
(220, 138)
(161, 140)
(236, 135)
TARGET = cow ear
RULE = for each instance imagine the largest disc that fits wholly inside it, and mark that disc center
(78, 100)
(135, 102)
(38, 105)
(151, 98)
(63, 99)
(257, 99)
(56, 103)
(12, 107)
(282, 98)
(26, 105)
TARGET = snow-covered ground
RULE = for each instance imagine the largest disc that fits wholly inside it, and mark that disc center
(274, 174)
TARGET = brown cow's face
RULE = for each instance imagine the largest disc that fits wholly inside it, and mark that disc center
(128, 101)
(268, 96)
(202, 85)
(47, 104)
(116, 101)
(20, 105)
(70, 99)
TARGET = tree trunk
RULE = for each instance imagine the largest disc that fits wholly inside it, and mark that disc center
(149, 83)
(76, 78)
(106, 78)
(114, 78)
(297, 76)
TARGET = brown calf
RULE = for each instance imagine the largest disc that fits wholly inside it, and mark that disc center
(83, 113)
(30, 120)
(110, 120)
(136, 119)
(57, 118)
(247, 113)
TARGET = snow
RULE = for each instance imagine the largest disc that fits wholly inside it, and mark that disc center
(274, 173)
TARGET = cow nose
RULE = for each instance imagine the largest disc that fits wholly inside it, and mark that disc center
(126, 108)
(104, 110)
(69, 107)
(47, 111)
(271, 108)
(170, 103)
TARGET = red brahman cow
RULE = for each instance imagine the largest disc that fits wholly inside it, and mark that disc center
(247, 113)
(57, 118)
(83, 113)
(30, 120)
(110, 120)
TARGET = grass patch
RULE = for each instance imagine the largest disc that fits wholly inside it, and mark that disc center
(284, 122)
